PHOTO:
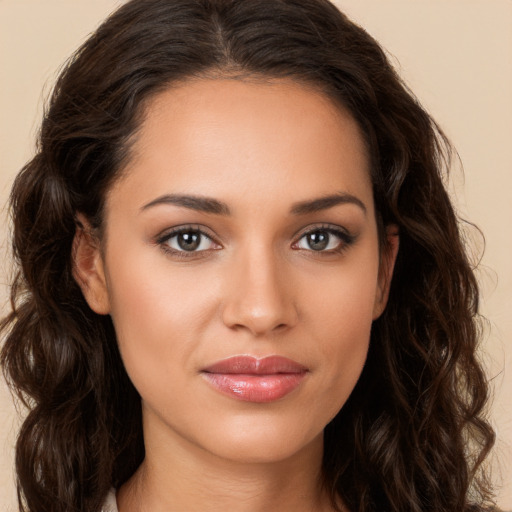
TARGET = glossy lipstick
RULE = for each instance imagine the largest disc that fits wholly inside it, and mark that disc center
(255, 380)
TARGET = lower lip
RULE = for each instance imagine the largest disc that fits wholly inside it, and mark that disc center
(255, 388)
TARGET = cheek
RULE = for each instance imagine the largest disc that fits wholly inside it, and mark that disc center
(158, 317)
(340, 316)
(343, 298)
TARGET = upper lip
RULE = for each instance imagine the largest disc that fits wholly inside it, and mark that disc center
(250, 365)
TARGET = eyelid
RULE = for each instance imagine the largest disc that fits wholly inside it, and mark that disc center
(167, 234)
(346, 238)
(322, 226)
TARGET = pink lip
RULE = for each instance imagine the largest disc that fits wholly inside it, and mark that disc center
(255, 380)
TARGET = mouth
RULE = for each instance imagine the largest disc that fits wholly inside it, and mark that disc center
(250, 379)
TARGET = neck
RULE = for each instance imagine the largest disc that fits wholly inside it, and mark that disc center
(177, 475)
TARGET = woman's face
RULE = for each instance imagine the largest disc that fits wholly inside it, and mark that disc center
(240, 265)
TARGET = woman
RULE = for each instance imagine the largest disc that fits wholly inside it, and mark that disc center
(242, 284)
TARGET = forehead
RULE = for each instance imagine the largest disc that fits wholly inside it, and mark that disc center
(226, 137)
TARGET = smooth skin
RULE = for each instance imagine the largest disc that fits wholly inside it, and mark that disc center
(263, 264)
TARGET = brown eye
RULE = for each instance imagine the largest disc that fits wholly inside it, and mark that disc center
(187, 240)
(324, 240)
(318, 241)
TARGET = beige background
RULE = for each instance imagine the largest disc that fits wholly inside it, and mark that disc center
(455, 54)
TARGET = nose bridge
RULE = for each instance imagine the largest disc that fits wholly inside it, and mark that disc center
(259, 298)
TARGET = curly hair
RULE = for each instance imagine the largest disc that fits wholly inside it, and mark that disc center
(413, 434)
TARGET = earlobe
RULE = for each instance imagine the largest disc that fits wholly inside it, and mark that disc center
(387, 264)
(88, 269)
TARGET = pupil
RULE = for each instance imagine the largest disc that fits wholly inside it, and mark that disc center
(189, 241)
(318, 240)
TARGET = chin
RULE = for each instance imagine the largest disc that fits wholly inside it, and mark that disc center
(268, 442)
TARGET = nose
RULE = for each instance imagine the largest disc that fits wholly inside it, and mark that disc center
(259, 297)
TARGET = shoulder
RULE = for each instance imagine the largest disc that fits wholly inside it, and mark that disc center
(110, 504)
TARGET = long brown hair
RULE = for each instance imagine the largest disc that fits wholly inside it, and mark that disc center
(413, 433)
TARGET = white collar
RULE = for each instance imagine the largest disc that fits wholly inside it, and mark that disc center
(110, 504)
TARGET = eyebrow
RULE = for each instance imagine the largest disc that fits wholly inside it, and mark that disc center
(216, 207)
(326, 202)
(199, 203)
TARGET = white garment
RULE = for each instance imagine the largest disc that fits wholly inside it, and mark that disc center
(110, 504)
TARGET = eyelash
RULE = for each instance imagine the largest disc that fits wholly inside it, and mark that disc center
(163, 240)
(346, 240)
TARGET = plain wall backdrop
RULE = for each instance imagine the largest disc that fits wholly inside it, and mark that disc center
(456, 55)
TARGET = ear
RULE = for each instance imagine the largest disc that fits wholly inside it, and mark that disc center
(387, 264)
(88, 269)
